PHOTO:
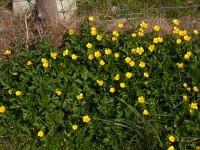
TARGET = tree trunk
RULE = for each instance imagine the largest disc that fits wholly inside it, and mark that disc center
(47, 10)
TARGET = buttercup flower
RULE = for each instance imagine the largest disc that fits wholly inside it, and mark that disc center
(86, 119)
(193, 106)
(117, 77)
(160, 39)
(89, 45)
(146, 112)
(116, 55)
(127, 59)
(141, 100)
(140, 33)
(120, 25)
(102, 62)
(134, 35)
(97, 54)
(91, 18)
(185, 85)
(129, 75)
(115, 33)
(142, 64)
(156, 28)
(108, 51)
(171, 148)
(144, 25)
(196, 31)
(54, 55)
(80, 96)
(74, 56)
(100, 82)
(58, 92)
(133, 50)
(99, 37)
(66, 52)
(114, 38)
(132, 63)
(2, 109)
(146, 74)
(29, 63)
(45, 65)
(187, 38)
(40, 134)
(185, 97)
(91, 57)
(196, 89)
(155, 40)
(180, 65)
(93, 31)
(122, 85)
(71, 31)
(140, 50)
(151, 48)
(10, 91)
(112, 90)
(74, 127)
(178, 41)
(188, 89)
(7, 52)
(172, 138)
(176, 22)
(44, 60)
(18, 93)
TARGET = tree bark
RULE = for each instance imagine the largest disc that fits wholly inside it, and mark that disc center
(47, 10)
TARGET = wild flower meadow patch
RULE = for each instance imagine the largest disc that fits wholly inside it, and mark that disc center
(119, 90)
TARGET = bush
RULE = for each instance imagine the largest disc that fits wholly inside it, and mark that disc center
(103, 91)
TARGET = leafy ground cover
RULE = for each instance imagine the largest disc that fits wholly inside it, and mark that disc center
(118, 90)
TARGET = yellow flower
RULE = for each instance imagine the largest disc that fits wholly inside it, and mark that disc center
(182, 32)
(185, 85)
(74, 127)
(146, 74)
(40, 134)
(144, 25)
(129, 75)
(86, 119)
(142, 64)
(176, 30)
(155, 40)
(112, 90)
(93, 31)
(156, 28)
(185, 97)
(189, 89)
(178, 41)
(44, 60)
(132, 63)
(134, 35)
(141, 100)
(91, 57)
(187, 38)
(29, 63)
(7, 52)
(45, 65)
(114, 38)
(115, 33)
(58, 92)
(189, 54)
(120, 25)
(176, 22)
(18, 93)
(160, 39)
(196, 31)
(171, 148)
(117, 77)
(141, 34)
(116, 55)
(100, 82)
(71, 31)
(122, 85)
(151, 48)
(91, 18)
(127, 59)
(2, 109)
(10, 91)
(54, 55)
(133, 51)
(74, 56)
(196, 89)
(89, 45)
(140, 50)
(80, 96)
(180, 65)
(172, 138)
(102, 62)
(99, 37)
(146, 112)
(193, 106)
(97, 54)
(108, 51)
(66, 52)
